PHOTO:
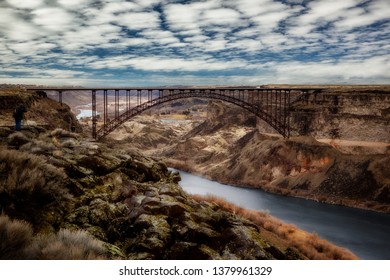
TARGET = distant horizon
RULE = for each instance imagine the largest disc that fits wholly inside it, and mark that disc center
(147, 43)
(113, 86)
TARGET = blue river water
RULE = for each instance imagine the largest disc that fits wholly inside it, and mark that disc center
(365, 233)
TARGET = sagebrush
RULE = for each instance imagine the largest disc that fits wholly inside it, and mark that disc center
(30, 186)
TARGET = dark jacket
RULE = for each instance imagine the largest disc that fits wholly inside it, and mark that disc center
(19, 112)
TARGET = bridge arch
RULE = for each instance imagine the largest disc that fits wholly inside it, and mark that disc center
(273, 105)
(273, 109)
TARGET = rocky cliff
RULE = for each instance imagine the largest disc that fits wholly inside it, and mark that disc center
(353, 113)
(41, 111)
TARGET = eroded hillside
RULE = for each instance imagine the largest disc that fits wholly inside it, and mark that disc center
(233, 151)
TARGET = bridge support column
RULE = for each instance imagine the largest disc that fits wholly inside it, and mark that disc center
(60, 97)
(105, 109)
(127, 100)
(94, 120)
(116, 103)
(288, 114)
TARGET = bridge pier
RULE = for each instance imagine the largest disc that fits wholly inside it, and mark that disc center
(94, 119)
(60, 97)
(105, 111)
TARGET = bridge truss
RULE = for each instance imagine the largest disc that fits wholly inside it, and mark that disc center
(118, 105)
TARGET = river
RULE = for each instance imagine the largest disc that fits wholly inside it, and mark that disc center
(365, 233)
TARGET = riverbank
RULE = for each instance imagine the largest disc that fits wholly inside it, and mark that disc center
(362, 232)
(330, 178)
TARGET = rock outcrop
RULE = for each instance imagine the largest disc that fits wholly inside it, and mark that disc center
(131, 203)
(42, 112)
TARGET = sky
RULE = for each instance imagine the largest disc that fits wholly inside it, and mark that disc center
(199, 42)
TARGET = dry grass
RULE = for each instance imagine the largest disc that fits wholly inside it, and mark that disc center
(310, 245)
(29, 186)
(69, 143)
(66, 245)
(61, 133)
(38, 147)
(17, 139)
(18, 243)
(15, 236)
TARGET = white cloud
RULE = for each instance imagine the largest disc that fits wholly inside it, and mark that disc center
(24, 4)
(358, 17)
(148, 3)
(253, 8)
(157, 34)
(139, 21)
(88, 36)
(19, 30)
(53, 19)
(267, 36)
(119, 7)
(31, 48)
(34, 72)
(136, 42)
(220, 16)
(182, 17)
(249, 45)
(74, 3)
(269, 21)
(198, 38)
(165, 64)
(345, 70)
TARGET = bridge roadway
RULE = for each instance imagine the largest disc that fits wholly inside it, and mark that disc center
(273, 105)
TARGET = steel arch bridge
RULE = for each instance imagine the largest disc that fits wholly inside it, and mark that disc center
(273, 105)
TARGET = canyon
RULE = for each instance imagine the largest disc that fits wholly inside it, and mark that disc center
(119, 192)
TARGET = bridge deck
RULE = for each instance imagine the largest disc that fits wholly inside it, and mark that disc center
(270, 104)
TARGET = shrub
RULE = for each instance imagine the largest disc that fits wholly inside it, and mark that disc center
(15, 236)
(17, 243)
(69, 143)
(29, 186)
(38, 147)
(61, 133)
(66, 245)
(17, 139)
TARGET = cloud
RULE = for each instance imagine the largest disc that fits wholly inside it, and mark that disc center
(342, 71)
(89, 36)
(254, 8)
(162, 37)
(19, 30)
(71, 4)
(166, 64)
(53, 19)
(222, 16)
(200, 39)
(138, 21)
(184, 18)
(375, 11)
(23, 4)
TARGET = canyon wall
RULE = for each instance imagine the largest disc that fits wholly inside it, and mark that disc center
(353, 114)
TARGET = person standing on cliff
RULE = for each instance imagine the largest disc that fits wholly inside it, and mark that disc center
(18, 116)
